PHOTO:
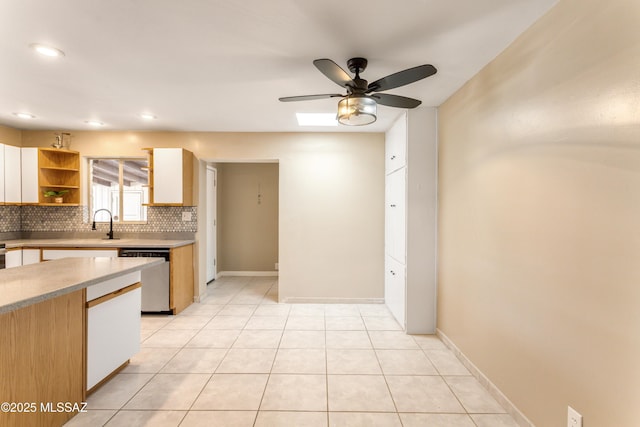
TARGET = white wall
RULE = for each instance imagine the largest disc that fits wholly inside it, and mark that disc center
(331, 226)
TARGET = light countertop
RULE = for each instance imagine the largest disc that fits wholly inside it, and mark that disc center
(30, 284)
(96, 243)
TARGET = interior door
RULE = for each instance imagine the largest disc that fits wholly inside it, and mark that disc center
(211, 223)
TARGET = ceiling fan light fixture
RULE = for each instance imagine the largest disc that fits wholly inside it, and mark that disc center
(357, 110)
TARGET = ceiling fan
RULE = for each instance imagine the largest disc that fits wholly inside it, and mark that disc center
(358, 106)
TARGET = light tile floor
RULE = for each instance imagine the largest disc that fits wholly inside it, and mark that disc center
(241, 359)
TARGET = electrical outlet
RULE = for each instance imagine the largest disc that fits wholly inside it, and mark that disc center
(186, 216)
(574, 419)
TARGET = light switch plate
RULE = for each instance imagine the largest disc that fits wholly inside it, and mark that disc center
(186, 216)
(574, 419)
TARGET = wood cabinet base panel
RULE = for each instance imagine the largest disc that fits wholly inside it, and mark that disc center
(42, 359)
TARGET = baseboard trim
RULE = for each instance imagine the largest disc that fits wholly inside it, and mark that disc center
(323, 300)
(247, 273)
(495, 392)
(201, 297)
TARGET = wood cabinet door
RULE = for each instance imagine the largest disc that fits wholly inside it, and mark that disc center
(29, 174)
(395, 289)
(12, 175)
(395, 151)
(395, 215)
(113, 334)
(1, 173)
(13, 258)
(167, 176)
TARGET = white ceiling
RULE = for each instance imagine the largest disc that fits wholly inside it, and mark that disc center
(221, 65)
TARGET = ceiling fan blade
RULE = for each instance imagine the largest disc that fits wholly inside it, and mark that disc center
(310, 97)
(334, 72)
(395, 100)
(402, 78)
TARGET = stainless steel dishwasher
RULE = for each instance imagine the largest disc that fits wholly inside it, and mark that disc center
(155, 280)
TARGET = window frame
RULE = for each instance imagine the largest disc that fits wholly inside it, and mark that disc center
(120, 214)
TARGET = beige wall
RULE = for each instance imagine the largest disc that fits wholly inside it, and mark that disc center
(539, 219)
(10, 136)
(247, 216)
(331, 200)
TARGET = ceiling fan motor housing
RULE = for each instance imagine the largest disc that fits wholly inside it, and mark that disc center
(357, 65)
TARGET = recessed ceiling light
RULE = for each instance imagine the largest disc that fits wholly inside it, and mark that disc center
(46, 50)
(316, 119)
(95, 123)
(24, 115)
(147, 116)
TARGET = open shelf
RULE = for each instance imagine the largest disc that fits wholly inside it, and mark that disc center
(59, 170)
(61, 186)
(149, 170)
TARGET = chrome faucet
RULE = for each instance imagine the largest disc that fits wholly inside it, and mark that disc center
(93, 227)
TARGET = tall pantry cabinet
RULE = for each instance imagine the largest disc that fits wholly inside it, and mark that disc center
(410, 220)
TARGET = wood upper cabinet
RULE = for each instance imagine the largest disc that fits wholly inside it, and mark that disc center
(1, 174)
(170, 177)
(31, 171)
(29, 174)
(58, 170)
(12, 175)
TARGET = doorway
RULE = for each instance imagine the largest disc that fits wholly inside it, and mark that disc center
(211, 223)
(243, 231)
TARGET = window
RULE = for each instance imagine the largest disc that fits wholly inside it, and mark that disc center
(120, 186)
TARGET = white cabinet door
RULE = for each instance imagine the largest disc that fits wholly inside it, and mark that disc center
(48, 254)
(395, 289)
(13, 258)
(395, 215)
(1, 173)
(12, 175)
(396, 146)
(30, 256)
(167, 175)
(113, 335)
(29, 174)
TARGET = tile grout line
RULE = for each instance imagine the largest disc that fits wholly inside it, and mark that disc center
(326, 366)
(266, 384)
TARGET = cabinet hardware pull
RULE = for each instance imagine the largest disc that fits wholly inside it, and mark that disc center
(392, 205)
(393, 272)
(393, 157)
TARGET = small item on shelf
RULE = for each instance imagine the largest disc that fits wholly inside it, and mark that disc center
(58, 143)
(60, 140)
(57, 195)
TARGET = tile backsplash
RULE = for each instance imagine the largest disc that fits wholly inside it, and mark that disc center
(160, 219)
(9, 219)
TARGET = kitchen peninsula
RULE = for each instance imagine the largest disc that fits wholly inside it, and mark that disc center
(66, 325)
(180, 281)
